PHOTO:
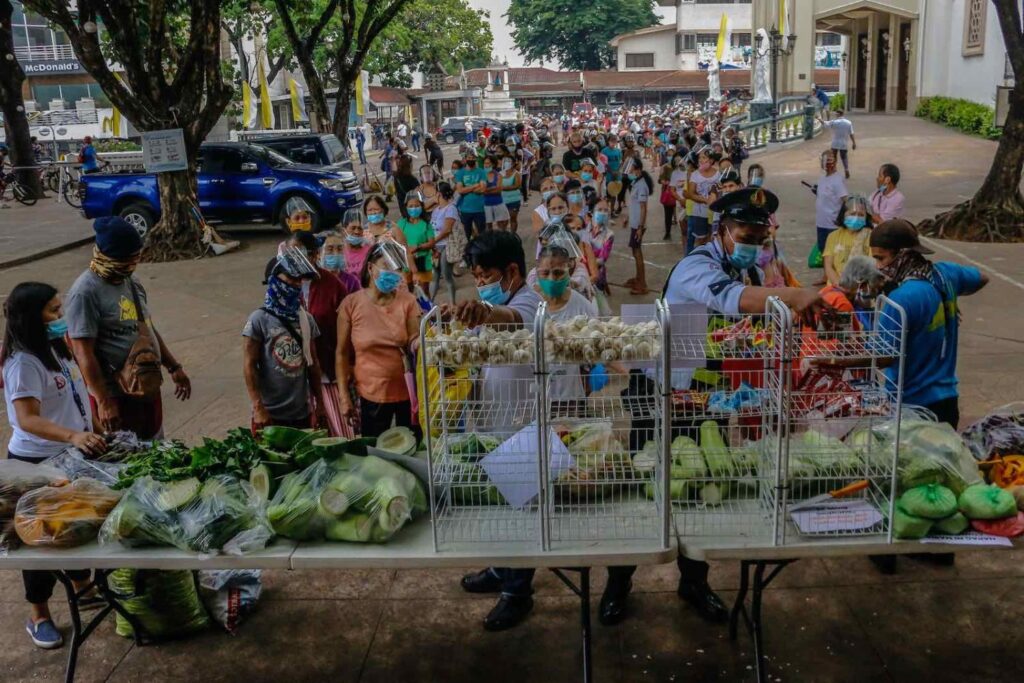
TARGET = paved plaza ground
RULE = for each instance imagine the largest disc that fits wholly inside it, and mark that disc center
(826, 620)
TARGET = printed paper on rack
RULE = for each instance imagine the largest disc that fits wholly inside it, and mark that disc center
(512, 466)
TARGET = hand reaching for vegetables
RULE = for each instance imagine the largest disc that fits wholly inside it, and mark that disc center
(108, 414)
(471, 313)
(260, 417)
(89, 443)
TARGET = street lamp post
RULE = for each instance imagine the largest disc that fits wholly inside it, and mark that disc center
(776, 50)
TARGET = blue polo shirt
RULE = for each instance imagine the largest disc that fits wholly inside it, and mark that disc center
(929, 372)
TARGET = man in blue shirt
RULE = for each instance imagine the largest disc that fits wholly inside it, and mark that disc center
(87, 156)
(471, 188)
(928, 294)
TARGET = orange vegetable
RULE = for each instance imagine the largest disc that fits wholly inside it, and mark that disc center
(1008, 471)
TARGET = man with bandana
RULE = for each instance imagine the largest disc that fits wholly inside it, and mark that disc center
(928, 292)
(281, 364)
(103, 310)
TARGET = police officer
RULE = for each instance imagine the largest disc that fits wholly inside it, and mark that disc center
(723, 276)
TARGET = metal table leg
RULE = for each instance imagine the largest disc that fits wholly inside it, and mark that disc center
(752, 618)
(583, 592)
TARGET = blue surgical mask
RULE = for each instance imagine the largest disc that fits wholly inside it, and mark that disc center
(548, 194)
(881, 188)
(586, 177)
(855, 222)
(414, 211)
(355, 240)
(553, 288)
(375, 218)
(756, 182)
(601, 217)
(576, 198)
(55, 329)
(743, 256)
(559, 179)
(332, 261)
(494, 294)
(387, 281)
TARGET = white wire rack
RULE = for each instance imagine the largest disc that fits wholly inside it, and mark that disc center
(609, 422)
(725, 413)
(481, 390)
(845, 379)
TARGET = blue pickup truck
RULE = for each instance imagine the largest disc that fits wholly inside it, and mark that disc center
(238, 183)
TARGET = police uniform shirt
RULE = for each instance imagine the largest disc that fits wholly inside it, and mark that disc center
(707, 277)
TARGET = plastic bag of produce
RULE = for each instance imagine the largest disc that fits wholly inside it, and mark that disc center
(1010, 527)
(1001, 432)
(599, 460)
(930, 501)
(908, 527)
(63, 516)
(952, 525)
(165, 603)
(230, 595)
(931, 453)
(357, 499)
(222, 514)
(985, 501)
(16, 479)
(76, 466)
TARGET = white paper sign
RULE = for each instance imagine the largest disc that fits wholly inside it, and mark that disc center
(970, 538)
(164, 150)
(835, 516)
(512, 466)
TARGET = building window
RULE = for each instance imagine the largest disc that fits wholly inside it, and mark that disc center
(689, 42)
(740, 40)
(639, 60)
(707, 39)
(974, 27)
(824, 39)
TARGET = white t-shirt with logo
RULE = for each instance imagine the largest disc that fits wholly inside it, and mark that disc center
(25, 376)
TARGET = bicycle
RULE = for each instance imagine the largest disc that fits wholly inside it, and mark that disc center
(10, 187)
(65, 181)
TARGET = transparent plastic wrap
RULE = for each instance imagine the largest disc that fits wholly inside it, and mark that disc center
(356, 499)
(221, 514)
(165, 603)
(76, 466)
(230, 595)
(63, 516)
(599, 459)
(929, 453)
(16, 479)
(1001, 432)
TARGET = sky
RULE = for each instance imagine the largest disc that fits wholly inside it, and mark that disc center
(503, 45)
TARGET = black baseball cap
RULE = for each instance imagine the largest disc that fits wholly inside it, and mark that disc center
(896, 234)
(751, 205)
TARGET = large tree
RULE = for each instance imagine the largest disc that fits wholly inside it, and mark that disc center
(350, 28)
(575, 34)
(996, 212)
(12, 76)
(242, 21)
(428, 32)
(171, 76)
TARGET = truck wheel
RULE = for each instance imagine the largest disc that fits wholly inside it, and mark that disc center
(139, 216)
(450, 139)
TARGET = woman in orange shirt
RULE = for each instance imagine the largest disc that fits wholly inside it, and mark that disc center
(376, 327)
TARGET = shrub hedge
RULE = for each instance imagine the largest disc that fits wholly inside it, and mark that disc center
(966, 116)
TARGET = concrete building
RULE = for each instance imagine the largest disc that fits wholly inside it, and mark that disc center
(897, 50)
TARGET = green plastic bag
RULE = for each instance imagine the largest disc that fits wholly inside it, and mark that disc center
(908, 527)
(166, 603)
(930, 501)
(815, 259)
(983, 501)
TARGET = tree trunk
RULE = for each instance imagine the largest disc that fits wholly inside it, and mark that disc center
(996, 212)
(342, 107)
(13, 105)
(176, 235)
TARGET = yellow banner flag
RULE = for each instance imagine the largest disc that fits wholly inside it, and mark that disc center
(784, 23)
(724, 36)
(250, 112)
(298, 97)
(360, 97)
(266, 108)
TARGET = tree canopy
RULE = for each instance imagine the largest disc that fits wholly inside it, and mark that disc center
(575, 34)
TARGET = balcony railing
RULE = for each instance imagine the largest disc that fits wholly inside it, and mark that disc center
(43, 53)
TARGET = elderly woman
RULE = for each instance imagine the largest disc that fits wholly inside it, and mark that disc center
(850, 238)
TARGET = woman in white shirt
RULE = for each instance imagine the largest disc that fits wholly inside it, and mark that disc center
(444, 219)
(48, 409)
(548, 189)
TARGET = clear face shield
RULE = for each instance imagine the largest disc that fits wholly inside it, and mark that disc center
(555, 234)
(390, 255)
(298, 214)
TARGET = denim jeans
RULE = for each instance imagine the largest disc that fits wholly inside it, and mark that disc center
(696, 226)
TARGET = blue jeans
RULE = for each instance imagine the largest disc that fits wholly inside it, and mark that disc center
(823, 234)
(471, 219)
(696, 226)
(362, 155)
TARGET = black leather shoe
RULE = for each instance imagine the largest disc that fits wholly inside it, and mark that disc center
(613, 603)
(483, 581)
(509, 612)
(886, 564)
(707, 603)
